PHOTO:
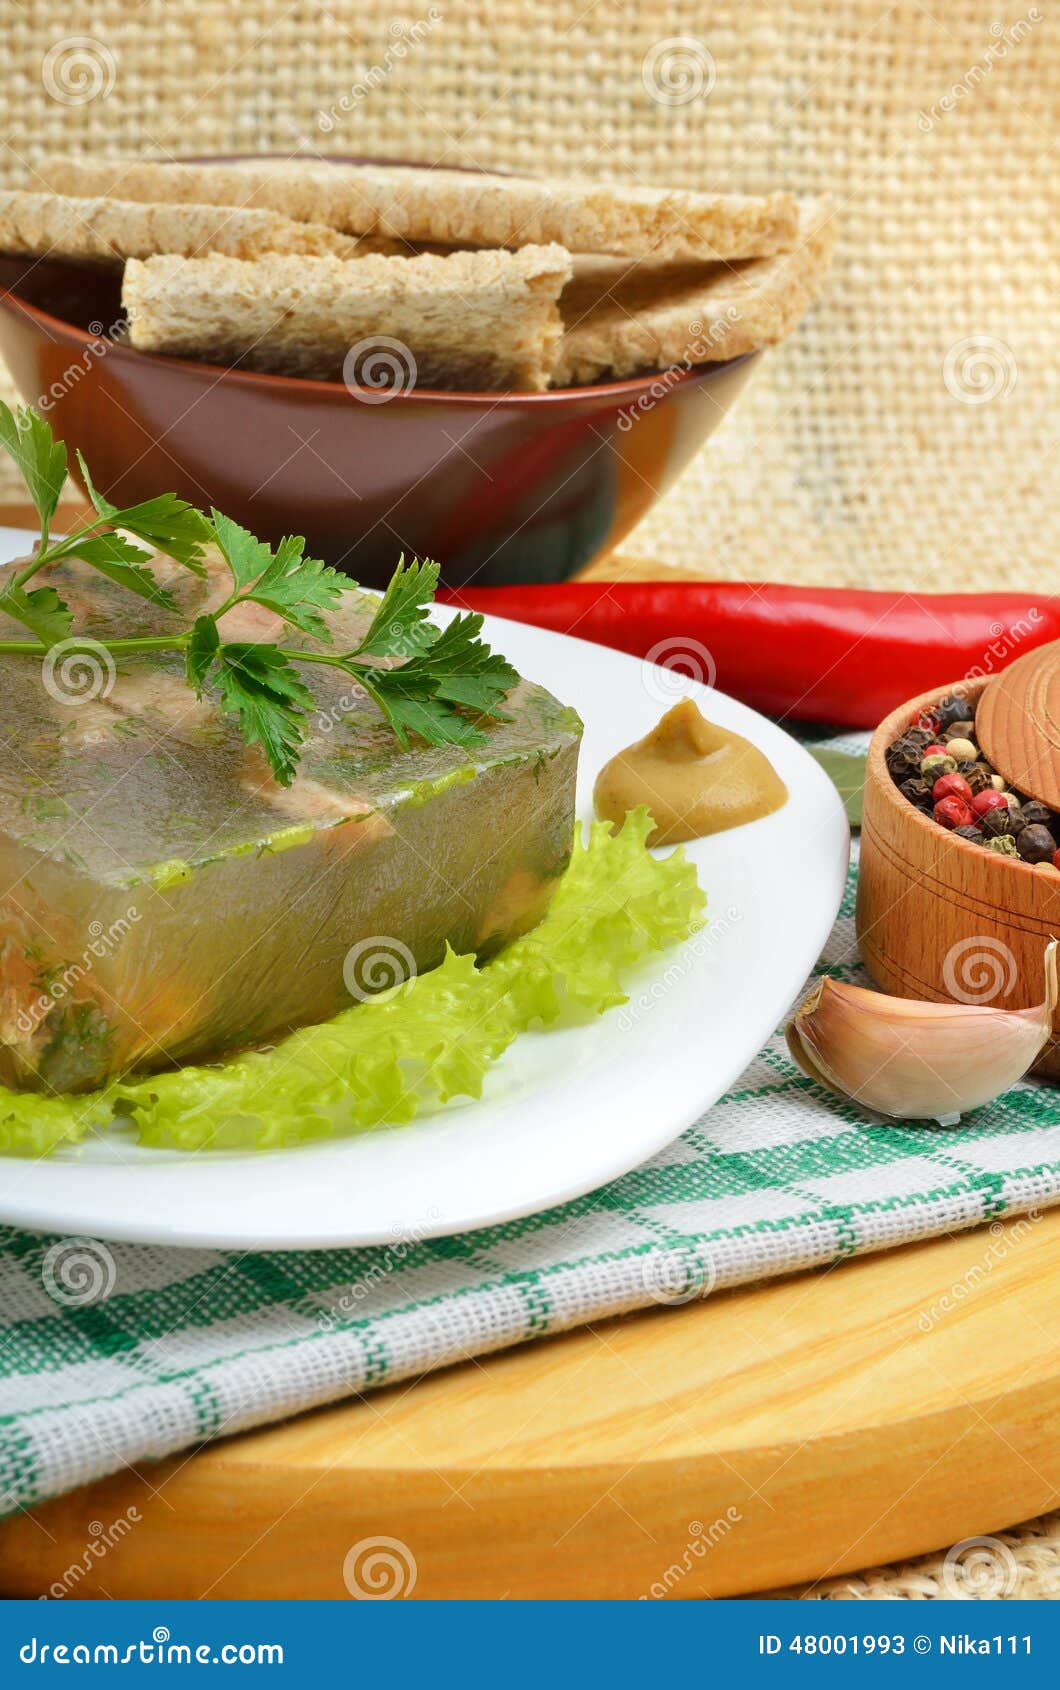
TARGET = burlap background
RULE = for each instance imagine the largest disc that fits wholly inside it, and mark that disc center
(1018, 1565)
(906, 436)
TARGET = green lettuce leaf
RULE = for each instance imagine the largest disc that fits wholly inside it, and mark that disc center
(34, 1123)
(433, 1038)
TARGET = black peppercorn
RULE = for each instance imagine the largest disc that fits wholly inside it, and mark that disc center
(902, 769)
(1017, 820)
(919, 736)
(997, 822)
(977, 775)
(959, 730)
(953, 708)
(918, 792)
(975, 834)
(1035, 844)
(1036, 814)
(903, 759)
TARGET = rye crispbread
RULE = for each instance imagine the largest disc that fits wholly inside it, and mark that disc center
(621, 317)
(471, 321)
(458, 207)
(112, 230)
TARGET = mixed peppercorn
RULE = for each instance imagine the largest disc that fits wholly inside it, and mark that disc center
(937, 765)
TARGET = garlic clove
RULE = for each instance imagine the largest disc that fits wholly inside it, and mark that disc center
(914, 1061)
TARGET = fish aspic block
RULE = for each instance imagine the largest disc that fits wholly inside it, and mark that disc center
(163, 899)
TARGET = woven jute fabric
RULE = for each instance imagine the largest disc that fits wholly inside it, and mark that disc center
(906, 434)
(1018, 1565)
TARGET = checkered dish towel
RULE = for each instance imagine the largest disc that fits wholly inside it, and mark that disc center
(163, 1348)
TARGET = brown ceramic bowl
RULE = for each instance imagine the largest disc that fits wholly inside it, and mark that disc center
(497, 487)
(937, 916)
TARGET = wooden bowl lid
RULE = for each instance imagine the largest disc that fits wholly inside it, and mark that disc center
(1017, 724)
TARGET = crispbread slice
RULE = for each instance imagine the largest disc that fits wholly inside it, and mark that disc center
(459, 207)
(110, 229)
(472, 320)
(620, 317)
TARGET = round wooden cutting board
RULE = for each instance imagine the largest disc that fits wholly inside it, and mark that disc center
(816, 1425)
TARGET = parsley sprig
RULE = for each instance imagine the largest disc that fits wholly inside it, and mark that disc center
(426, 680)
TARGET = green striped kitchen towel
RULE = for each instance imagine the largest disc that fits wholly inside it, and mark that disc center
(113, 1354)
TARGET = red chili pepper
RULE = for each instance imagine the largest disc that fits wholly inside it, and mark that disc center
(827, 654)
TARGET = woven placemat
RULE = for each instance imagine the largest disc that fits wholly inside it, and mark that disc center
(903, 436)
(1018, 1565)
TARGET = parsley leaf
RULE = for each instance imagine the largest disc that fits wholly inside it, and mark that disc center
(260, 685)
(122, 563)
(42, 611)
(400, 627)
(456, 669)
(166, 524)
(203, 645)
(299, 588)
(41, 460)
(409, 711)
(464, 668)
(245, 556)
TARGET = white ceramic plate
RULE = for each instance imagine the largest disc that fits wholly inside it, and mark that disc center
(565, 1110)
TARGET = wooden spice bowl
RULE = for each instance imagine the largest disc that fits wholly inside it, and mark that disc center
(939, 917)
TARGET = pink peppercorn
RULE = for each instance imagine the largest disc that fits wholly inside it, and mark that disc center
(953, 812)
(933, 751)
(952, 786)
(988, 800)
